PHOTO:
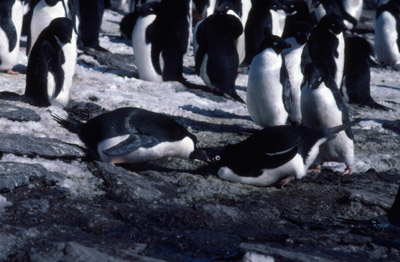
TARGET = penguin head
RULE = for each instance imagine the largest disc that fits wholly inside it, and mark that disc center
(146, 9)
(197, 153)
(224, 6)
(274, 42)
(333, 23)
(62, 29)
(314, 75)
(302, 32)
(295, 7)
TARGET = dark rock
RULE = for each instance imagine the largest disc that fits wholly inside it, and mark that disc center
(14, 175)
(17, 113)
(31, 146)
(392, 125)
(124, 185)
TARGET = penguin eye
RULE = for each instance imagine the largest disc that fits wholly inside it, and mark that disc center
(274, 6)
(275, 43)
(217, 158)
(151, 9)
(319, 79)
(291, 6)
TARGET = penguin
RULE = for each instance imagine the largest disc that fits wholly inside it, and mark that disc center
(134, 135)
(268, 99)
(297, 11)
(387, 28)
(354, 9)
(264, 15)
(11, 16)
(273, 154)
(217, 59)
(292, 58)
(325, 7)
(326, 45)
(51, 65)
(322, 105)
(44, 11)
(357, 74)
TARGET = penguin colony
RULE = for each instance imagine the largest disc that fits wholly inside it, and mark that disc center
(296, 53)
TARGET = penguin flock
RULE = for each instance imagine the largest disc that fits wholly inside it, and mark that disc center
(302, 60)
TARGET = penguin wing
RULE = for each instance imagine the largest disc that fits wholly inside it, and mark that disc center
(11, 33)
(286, 94)
(202, 50)
(131, 144)
(271, 160)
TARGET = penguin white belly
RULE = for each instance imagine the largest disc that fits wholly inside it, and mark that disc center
(142, 50)
(264, 98)
(70, 54)
(268, 176)
(181, 149)
(353, 8)
(51, 85)
(386, 48)
(278, 21)
(319, 12)
(211, 7)
(241, 47)
(42, 16)
(293, 66)
(319, 109)
(339, 61)
(204, 74)
(9, 59)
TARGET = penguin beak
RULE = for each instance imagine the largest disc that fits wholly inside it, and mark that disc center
(200, 155)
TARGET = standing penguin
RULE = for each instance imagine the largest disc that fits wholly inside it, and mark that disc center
(292, 58)
(11, 16)
(264, 16)
(51, 65)
(273, 154)
(217, 59)
(322, 105)
(326, 45)
(387, 28)
(134, 135)
(357, 74)
(326, 7)
(268, 100)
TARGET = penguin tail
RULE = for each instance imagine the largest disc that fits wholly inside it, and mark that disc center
(331, 132)
(70, 125)
(375, 105)
(237, 98)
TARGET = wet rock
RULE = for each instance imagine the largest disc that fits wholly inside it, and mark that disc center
(124, 185)
(7, 242)
(14, 175)
(31, 146)
(17, 113)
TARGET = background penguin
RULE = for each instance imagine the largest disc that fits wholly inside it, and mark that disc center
(91, 16)
(11, 16)
(357, 75)
(326, 7)
(292, 58)
(217, 59)
(354, 9)
(133, 135)
(273, 154)
(51, 65)
(268, 100)
(326, 45)
(387, 28)
(322, 105)
(263, 16)
(297, 12)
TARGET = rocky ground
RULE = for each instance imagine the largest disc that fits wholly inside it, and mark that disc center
(56, 204)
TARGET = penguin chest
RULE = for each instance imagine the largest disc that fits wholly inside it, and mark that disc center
(267, 177)
(264, 98)
(339, 149)
(386, 48)
(353, 7)
(339, 61)
(181, 149)
(142, 50)
(278, 21)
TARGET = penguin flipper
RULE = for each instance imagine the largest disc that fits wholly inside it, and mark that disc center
(11, 33)
(132, 143)
(286, 94)
(279, 158)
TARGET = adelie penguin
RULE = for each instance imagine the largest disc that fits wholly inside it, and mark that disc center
(268, 89)
(217, 59)
(11, 16)
(322, 105)
(134, 135)
(273, 154)
(357, 75)
(51, 65)
(337, 7)
(387, 28)
(326, 45)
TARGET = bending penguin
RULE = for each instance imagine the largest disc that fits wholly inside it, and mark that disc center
(217, 59)
(134, 135)
(387, 28)
(273, 154)
(268, 90)
(11, 16)
(51, 65)
(357, 75)
(322, 105)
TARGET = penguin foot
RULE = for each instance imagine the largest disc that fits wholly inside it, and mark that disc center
(286, 181)
(317, 169)
(11, 72)
(347, 171)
